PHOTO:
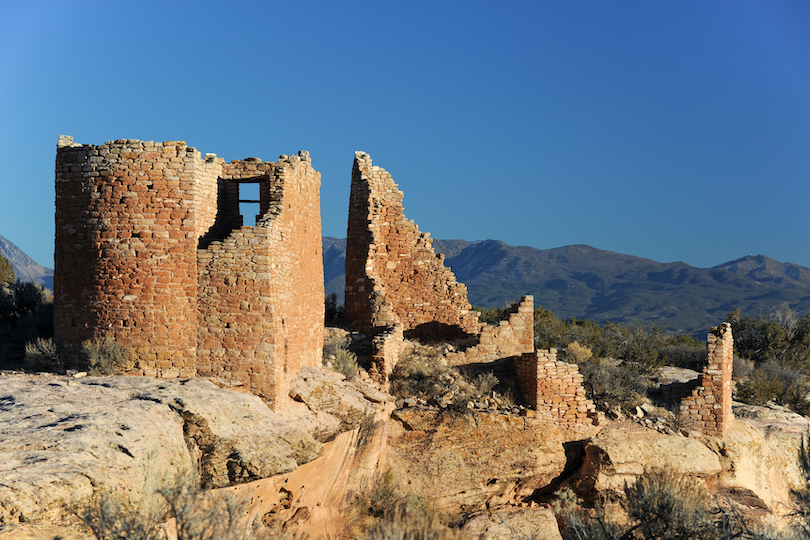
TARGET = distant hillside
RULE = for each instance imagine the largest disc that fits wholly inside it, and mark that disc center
(25, 268)
(588, 283)
(334, 264)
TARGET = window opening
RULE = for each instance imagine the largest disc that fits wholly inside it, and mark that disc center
(249, 207)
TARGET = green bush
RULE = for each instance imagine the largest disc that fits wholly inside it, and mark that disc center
(107, 356)
(637, 344)
(612, 386)
(491, 316)
(780, 336)
(26, 314)
(771, 382)
(684, 356)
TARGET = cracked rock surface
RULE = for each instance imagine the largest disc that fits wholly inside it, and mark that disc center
(61, 439)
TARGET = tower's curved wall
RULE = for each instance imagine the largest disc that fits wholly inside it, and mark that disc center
(128, 217)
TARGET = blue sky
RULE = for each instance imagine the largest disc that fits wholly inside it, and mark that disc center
(666, 130)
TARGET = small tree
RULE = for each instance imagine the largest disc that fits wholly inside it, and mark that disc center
(26, 314)
(6, 270)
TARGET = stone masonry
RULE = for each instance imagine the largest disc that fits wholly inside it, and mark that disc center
(151, 250)
(708, 409)
(396, 284)
(512, 337)
(393, 275)
(554, 389)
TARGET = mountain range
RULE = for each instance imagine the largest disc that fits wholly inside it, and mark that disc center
(580, 281)
(588, 283)
(25, 268)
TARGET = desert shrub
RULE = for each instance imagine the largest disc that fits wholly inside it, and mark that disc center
(198, 515)
(208, 515)
(336, 355)
(612, 385)
(345, 363)
(741, 367)
(107, 356)
(576, 523)
(381, 499)
(771, 382)
(113, 517)
(383, 512)
(41, 355)
(423, 373)
(484, 383)
(660, 505)
(404, 525)
(684, 356)
(333, 342)
(577, 354)
(667, 505)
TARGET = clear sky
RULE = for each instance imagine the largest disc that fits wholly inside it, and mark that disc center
(667, 130)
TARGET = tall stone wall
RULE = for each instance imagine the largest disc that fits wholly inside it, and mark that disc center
(261, 288)
(151, 251)
(708, 409)
(393, 275)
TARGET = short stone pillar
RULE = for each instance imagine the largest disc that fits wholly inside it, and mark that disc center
(708, 409)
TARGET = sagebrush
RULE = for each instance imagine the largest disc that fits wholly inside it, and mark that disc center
(105, 356)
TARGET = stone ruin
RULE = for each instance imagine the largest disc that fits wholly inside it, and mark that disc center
(152, 251)
(393, 276)
(398, 287)
(554, 389)
(708, 407)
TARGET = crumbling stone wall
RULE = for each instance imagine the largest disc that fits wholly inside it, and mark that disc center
(386, 349)
(394, 279)
(554, 388)
(151, 251)
(512, 337)
(393, 275)
(708, 409)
